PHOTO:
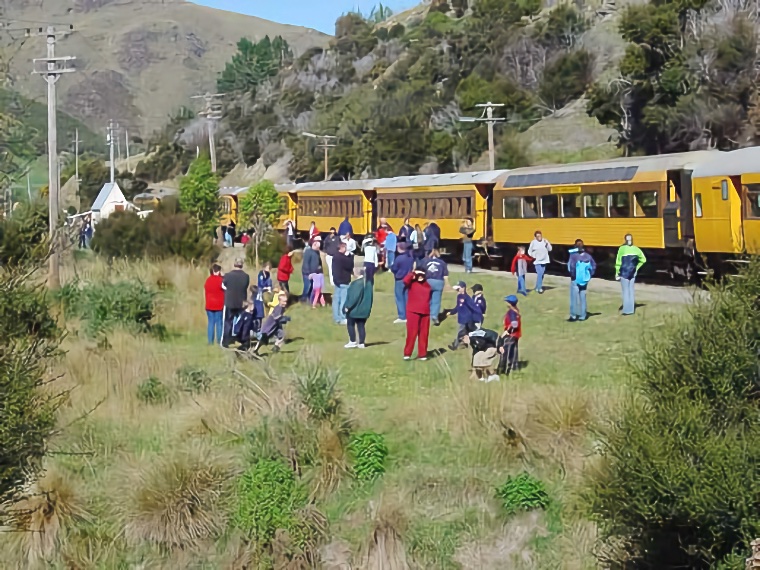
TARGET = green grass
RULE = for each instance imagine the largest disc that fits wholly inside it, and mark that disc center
(443, 430)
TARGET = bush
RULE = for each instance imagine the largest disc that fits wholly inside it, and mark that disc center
(24, 236)
(566, 78)
(29, 340)
(316, 387)
(678, 485)
(164, 233)
(152, 391)
(267, 499)
(192, 379)
(369, 453)
(105, 305)
(270, 250)
(522, 493)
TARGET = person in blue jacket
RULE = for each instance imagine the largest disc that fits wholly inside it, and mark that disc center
(468, 314)
(480, 300)
(402, 266)
(582, 268)
(345, 228)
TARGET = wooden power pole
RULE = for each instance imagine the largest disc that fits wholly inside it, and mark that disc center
(212, 110)
(487, 117)
(325, 144)
(51, 71)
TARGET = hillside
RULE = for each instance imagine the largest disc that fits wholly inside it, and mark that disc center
(137, 60)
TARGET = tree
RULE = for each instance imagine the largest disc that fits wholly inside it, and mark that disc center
(677, 485)
(253, 64)
(262, 206)
(199, 195)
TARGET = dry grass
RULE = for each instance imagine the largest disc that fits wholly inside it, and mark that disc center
(41, 519)
(384, 548)
(175, 502)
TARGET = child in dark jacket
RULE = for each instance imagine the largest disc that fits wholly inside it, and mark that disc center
(510, 337)
(243, 326)
(468, 314)
(480, 301)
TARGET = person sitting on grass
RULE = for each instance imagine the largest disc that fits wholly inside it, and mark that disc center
(485, 346)
(244, 326)
(273, 324)
(468, 314)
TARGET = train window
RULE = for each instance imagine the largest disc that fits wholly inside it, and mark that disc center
(619, 205)
(550, 206)
(593, 205)
(698, 205)
(446, 209)
(724, 189)
(530, 207)
(646, 204)
(753, 200)
(468, 211)
(571, 205)
(511, 208)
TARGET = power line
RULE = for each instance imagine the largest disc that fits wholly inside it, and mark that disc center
(487, 117)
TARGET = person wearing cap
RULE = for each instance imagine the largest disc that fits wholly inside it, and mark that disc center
(311, 260)
(330, 247)
(485, 346)
(508, 360)
(402, 266)
(417, 314)
(235, 285)
(468, 314)
(479, 299)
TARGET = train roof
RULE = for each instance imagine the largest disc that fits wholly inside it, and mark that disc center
(331, 186)
(450, 179)
(613, 170)
(731, 163)
(233, 190)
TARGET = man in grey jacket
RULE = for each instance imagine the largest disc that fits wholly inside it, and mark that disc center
(311, 261)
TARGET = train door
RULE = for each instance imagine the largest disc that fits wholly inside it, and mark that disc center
(482, 212)
(370, 211)
(717, 216)
(677, 220)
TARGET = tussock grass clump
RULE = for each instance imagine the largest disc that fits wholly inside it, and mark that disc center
(175, 503)
(317, 387)
(193, 379)
(384, 548)
(49, 509)
(152, 391)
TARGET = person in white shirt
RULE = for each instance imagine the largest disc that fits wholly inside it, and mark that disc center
(539, 250)
(371, 257)
(350, 244)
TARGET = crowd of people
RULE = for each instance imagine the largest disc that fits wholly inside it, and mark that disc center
(241, 312)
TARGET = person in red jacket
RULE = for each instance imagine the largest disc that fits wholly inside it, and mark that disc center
(417, 314)
(214, 304)
(284, 269)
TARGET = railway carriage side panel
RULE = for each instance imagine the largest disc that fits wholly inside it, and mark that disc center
(751, 209)
(718, 215)
(328, 209)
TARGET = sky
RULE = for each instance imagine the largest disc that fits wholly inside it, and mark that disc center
(318, 14)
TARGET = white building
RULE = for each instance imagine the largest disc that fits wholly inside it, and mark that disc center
(110, 199)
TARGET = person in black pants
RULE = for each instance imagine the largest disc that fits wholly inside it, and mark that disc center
(357, 309)
(235, 285)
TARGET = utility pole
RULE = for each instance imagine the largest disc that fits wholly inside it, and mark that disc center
(118, 140)
(487, 117)
(76, 155)
(53, 68)
(326, 145)
(212, 110)
(126, 141)
(110, 142)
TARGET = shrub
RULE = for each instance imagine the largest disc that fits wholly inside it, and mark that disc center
(677, 484)
(271, 249)
(29, 340)
(369, 452)
(105, 305)
(192, 379)
(566, 78)
(316, 386)
(522, 493)
(267, 499)
(152, 391)
(24, 236)
(164, 233)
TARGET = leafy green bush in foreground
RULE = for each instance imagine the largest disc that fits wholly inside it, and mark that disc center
(523, 493)
(369, 453)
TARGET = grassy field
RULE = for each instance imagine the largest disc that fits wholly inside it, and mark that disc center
(122, 468)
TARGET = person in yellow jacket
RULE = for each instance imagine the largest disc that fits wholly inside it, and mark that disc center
(629, 260)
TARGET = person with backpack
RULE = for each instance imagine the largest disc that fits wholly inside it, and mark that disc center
(582, 268)
(629, 260)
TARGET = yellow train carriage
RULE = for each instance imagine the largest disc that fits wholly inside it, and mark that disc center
(444, 198)
(599, 202)
(328, 203)
(727, 203)
(290, 198)
(228, 204)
